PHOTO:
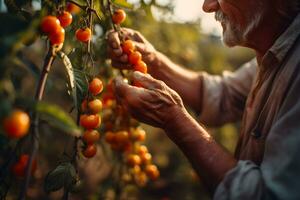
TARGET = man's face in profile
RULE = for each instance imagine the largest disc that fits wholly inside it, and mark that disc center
(238, 18)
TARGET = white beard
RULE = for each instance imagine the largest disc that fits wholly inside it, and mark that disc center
(235, 35)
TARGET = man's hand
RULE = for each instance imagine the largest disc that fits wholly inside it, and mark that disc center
(154, 103)
(119, 58)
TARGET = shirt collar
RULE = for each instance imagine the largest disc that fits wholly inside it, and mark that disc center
(285, 41)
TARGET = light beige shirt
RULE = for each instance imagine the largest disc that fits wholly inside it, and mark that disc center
(267, 99)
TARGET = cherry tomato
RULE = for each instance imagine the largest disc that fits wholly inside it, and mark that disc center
(146, 158)
(95, 106)
(19, 168)
(152, 172)
(138, 135)
(110, 137)
(128, 46)
(133, 159)
(50, 24)
(141, 67)
(119, 16)
(90, 151)
(90, 121)
(95, 86)
(57, 37)
(135, 57)
(72, 8)
(91, 136)
(122, 137)
(141, 150)
(17, 124)
(83, 34)
(65, 19)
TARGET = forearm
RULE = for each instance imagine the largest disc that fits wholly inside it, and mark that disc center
(208, 158)
(185, 82)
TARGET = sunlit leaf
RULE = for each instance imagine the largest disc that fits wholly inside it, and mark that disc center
(56, 117)
(122, 3)
(70, 73)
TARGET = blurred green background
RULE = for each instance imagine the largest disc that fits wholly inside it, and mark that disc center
(184, 42)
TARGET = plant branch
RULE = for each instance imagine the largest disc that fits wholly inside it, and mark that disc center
(50, 57)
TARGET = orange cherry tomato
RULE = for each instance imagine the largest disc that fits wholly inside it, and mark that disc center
(72, 8)
(122, 137)
(50, 24)
(152, 172)
(141, 150)
(95, 106)
(128, 46)
(138, 135)
(141, 179)
(146, 158)
(135, 57)
(95, 86)
(141, 67)
(57, 37)
(133, 160)
(83, 34)
(17, 124)
(90, 121)
(110, 137)
(19, 168)
(90, 151)
(91, 136)
(65, 19)
(119, 16)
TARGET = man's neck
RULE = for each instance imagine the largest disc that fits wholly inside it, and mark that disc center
(266, 34)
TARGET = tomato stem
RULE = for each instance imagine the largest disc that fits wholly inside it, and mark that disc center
(49, 59)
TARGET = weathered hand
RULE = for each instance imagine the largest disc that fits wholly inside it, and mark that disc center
(154, 103)
(120, 59)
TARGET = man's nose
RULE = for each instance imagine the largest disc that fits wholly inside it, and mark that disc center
(210, 6)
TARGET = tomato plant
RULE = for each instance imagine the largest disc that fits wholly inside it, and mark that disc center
(65, 32)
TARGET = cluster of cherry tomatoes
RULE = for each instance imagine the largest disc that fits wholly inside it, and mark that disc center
(136, 157)
(16, 125)
(128, 47)
(54, 26)
(90, 119)
(137, 161)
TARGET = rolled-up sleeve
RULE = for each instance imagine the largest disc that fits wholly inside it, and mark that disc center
(278, 176)
(224, 97)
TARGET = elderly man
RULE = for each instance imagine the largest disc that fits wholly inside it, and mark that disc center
(265, 93)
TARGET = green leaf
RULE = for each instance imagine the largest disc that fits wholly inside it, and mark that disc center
(64, 175)
(56, 117)
(81, 84)
(122, 3)
(98, 9)
(70, 74)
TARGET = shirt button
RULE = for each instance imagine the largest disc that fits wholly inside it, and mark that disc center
(256, 134)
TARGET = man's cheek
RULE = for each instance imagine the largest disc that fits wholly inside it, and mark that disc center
(233, 13)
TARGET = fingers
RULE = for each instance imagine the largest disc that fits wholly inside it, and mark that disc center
(123, 89)
(147, 81)
(120, 65)
(113, 40)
